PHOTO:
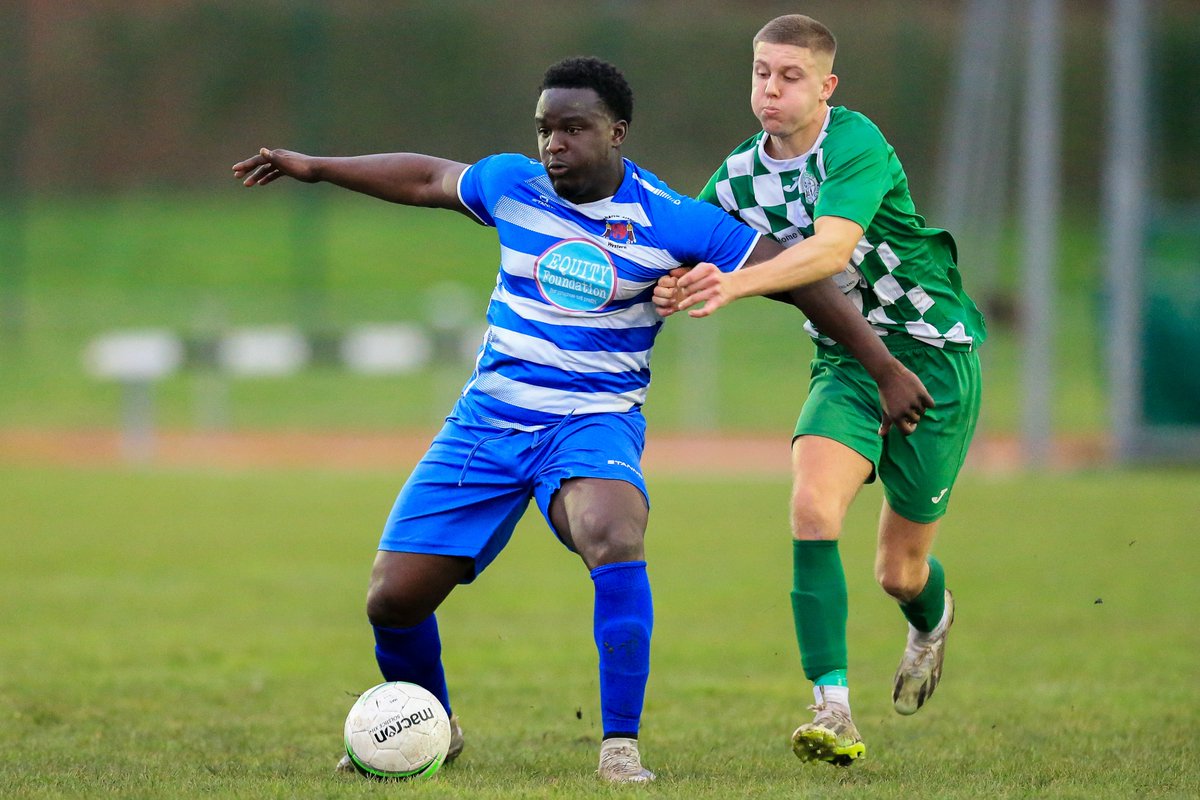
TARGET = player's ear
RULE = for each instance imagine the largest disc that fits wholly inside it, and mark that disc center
(619, 129)
(828, 85)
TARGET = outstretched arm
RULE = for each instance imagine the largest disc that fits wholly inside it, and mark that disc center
(411, 179)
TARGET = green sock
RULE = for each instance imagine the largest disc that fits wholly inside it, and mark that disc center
(819, 606)
(925, 610)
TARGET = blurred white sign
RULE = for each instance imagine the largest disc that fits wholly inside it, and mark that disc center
(144, 355)
(263, 352)
(386, 349)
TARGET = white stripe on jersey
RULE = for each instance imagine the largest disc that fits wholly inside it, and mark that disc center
(545, 222)
(599, 209)
(540, 351)
(641, 315)
(556, 401)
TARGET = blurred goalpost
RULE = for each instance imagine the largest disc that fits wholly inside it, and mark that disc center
(975, 184)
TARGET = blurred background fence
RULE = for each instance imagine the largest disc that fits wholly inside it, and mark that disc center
(119, 122)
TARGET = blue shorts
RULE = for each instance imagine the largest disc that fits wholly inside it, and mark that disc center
(466, 495)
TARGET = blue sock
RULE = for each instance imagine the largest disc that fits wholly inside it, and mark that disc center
(624, 617)
(413, 655)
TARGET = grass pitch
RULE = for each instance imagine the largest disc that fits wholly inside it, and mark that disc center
(184, 634)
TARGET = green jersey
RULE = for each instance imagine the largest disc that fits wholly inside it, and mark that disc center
(903, 276)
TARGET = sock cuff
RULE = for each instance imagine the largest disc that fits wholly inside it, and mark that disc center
(834, 677)
(816, 560)
(814, 544)
(401, 631)
(615, 566)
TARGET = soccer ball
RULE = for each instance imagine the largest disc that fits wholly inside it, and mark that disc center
(397, 730)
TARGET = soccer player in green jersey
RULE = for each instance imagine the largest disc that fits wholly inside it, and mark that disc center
(824, 182)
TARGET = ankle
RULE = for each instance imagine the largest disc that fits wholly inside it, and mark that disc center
(833, 696)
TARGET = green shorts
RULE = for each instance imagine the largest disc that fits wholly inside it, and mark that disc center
(917, 471)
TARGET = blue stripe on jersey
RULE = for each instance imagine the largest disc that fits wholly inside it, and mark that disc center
(499, 395)
(548, 376)
(572, 325)
(570, 337)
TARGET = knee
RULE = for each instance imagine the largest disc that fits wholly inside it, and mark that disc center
(389, 606)
(603, 539)
(902, 581)
(813, 516)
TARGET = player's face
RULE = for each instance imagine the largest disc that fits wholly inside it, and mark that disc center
(788, 93)
(579, 144)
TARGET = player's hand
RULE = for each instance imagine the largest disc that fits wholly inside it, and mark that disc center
(667, 293)
(704, 284)
(270, 165)
(904, 400)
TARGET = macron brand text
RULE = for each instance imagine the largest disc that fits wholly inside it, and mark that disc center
(397, 724)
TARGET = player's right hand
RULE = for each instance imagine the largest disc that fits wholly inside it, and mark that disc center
(269, 165)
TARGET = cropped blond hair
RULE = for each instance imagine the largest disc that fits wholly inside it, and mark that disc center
(799, 31)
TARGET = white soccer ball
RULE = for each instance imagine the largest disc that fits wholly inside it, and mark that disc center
(397, 730)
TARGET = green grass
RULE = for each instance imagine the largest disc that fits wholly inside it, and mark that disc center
(191, 633)
(196, 265)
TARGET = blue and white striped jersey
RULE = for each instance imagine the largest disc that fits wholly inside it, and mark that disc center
(571, 322)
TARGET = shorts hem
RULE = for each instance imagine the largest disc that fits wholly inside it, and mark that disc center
(919, 519)
(425, 549)
(874, 462)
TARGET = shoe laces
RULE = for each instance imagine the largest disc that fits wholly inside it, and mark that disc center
(831, 716)
(621, 759)
(921, 648)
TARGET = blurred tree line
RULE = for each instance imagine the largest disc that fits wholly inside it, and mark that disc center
(103, 96)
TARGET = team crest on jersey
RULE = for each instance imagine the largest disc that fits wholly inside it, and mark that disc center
(576, 275)
(810, 187)
(619, 230)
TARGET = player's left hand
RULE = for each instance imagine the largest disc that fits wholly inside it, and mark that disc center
(667, 293)
(705, 284)
(904, 400)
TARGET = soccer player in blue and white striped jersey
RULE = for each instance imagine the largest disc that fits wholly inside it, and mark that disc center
(552, 411)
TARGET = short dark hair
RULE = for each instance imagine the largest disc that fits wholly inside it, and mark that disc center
(585, 72)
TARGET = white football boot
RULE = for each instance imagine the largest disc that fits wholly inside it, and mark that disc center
(620, 762)
(921, 667)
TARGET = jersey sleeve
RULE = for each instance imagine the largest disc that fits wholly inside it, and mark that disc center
(704, 232)
(857, 179)
(709, 193)
(483, 183)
